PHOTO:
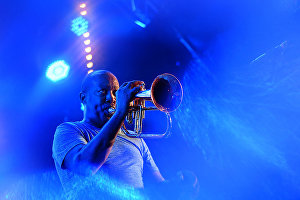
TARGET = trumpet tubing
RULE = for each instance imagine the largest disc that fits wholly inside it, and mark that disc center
(166, 94)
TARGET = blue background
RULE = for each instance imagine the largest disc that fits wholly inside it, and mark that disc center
(238, 126)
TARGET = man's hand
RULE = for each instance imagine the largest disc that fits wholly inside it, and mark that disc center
(126, 94)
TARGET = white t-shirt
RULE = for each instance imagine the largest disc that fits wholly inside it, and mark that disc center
(125, 163)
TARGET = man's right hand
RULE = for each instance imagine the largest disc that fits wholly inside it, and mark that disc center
(126, 94)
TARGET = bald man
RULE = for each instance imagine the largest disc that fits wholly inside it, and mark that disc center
(96, 144)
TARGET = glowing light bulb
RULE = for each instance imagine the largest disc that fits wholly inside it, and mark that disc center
(83, 12)
(89, 65)
(87, 42)
(87, 34)
(89, 57)
(88, 49)
(83, 5)
(90, 71)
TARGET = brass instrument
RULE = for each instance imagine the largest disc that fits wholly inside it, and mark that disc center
(165, 93)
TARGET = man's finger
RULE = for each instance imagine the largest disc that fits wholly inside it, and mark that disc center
(124, 84)
(134, 83)
(135, 90)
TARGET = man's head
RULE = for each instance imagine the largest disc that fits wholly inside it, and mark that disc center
(98, 94)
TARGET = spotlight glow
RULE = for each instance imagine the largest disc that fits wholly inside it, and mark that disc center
(57, 70)
(90, 71)
(87, 42)
(88, 49)
(89, 57)
(89, 65)
(80, 26)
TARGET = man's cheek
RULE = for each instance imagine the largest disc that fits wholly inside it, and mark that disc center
(97, 108)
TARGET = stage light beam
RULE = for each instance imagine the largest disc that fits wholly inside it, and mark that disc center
(57, 70)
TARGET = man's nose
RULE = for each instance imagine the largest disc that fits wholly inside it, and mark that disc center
(109, 97)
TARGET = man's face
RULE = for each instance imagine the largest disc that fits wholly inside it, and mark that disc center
(101, 96)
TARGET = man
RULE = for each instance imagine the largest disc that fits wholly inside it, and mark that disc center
(96, 145)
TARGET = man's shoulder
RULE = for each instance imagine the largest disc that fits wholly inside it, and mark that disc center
(68, 131)
(70, 124)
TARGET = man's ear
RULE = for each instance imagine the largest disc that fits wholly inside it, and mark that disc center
(82, 97)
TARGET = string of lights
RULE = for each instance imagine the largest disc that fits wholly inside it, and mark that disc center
(80, 27)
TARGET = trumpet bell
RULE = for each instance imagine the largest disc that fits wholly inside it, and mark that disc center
(166, 92)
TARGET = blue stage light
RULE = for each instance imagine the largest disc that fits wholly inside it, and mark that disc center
(139, 23)
(80, 25)
(57, 70)
(46, 186)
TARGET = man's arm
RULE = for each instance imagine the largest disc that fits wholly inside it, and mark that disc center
(87, 159)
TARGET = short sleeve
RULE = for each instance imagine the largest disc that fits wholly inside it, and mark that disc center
(149, 163)
(66, 137)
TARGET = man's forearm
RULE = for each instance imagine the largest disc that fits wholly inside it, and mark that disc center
(97, 150)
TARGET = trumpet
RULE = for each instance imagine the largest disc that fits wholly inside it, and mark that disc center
(166, 94)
